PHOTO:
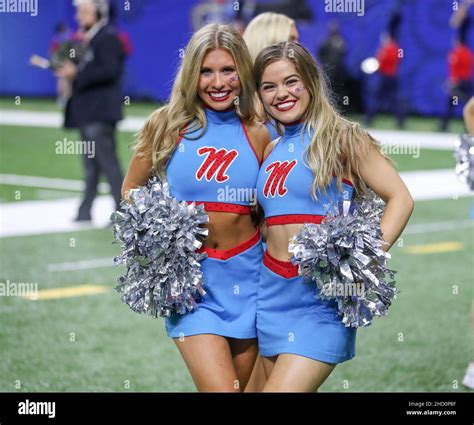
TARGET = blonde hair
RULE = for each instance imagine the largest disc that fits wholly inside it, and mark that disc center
(159, 136)
(337, 143)
(266, 29)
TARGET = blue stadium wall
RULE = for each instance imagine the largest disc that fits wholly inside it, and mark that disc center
(160, 28)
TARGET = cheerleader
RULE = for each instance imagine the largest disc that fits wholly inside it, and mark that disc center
(264, 30)
(321, 157)
(208, 144)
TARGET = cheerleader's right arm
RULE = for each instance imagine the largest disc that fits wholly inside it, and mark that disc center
(139, 171)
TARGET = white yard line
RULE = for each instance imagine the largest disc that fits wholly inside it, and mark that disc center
(439, 226)
(415, 139)
(52, 216)
(53, 119)
(81, 265)
(48, 119)
(406, 139)
(435, 184)
(48, 183)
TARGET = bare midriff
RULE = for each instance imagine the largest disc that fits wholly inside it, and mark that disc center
(227, 230)
(278, 238)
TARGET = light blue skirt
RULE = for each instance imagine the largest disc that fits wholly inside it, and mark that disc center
(292, 319)
(229, 306)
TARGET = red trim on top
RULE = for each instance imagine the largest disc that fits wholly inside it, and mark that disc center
(182, 133)
(345, 181)
(236, 250)
(294, 219)
(223, 207)
(285, 269)
(250, 143)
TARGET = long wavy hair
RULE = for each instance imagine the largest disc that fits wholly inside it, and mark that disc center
(184, 112)
(334, 139)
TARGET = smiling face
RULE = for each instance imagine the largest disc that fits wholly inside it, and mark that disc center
(219, 83)
(283, 93)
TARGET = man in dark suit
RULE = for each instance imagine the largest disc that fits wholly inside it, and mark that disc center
(96, 102)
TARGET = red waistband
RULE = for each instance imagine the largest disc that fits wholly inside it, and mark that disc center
(294, 219)
(283, 268)
(223, 207)
(228, 253)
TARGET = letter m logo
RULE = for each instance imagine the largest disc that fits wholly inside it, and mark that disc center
(216, 163)
(276, 180)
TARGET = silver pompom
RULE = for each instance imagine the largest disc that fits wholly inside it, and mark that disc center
(343, 255)
(159, 238)
(464, 154)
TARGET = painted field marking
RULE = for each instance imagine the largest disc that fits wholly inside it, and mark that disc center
(434, 248)
(69, 292)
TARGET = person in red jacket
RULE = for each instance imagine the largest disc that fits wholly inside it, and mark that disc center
(386, 95)
(388, 57)
(460, 78)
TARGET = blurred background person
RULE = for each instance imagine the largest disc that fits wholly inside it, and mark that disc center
(63, 86)
(269, 28)
(460, 65)
(215, 11)
(96, 102)
(386, 95)
(331, 55)
(122, 35)
(61, 34)
(299, 10)
(460, 13)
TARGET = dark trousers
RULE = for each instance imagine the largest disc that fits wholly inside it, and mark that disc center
(462, 90)
(104, 161)
(386, 97)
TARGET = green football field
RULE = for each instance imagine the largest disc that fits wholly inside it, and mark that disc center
(95, 342)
